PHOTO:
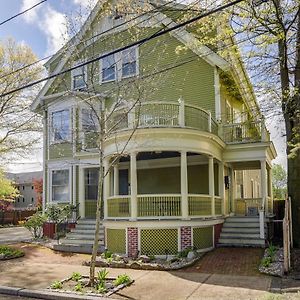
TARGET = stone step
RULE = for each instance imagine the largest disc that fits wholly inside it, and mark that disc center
(241, 242)
(240, 230)
(75, 236)
(242, 219)
(239, 235)
(68, 241)
(86, 231)
(87, 249)
(240, 225)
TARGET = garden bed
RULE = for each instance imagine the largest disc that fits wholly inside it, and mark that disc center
(7, 252)
(272, 262)
(104, 285)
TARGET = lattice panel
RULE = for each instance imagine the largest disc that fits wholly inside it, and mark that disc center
(159, 241)
(203, 237)
(116, 240)
(90, 208)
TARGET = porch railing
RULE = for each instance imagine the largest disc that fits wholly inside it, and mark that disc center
(200, 205)
(248, 206)
(218, 205)
(159, 205)
(118, 207)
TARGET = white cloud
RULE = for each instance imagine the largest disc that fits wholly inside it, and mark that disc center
(51, 22)
(85, 3)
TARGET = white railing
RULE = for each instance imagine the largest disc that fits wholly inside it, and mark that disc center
(200, 205)
(248, 206)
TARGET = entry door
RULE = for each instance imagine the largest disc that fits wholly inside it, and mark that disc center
(123, 181)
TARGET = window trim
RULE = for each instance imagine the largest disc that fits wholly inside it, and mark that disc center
(51, 186)
(51, 133)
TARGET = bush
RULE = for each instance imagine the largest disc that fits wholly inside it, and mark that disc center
(266, 262)
(56, 285)
(9, 252)
(76, 276)
(122, 279)
(35, 224)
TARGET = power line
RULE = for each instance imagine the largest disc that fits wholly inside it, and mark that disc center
(90, 38)
(22, 12)
(144, 40)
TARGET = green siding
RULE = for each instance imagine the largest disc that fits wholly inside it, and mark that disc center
(60, 150)
(116, 240)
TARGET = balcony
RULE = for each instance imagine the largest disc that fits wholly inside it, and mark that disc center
(181, 115)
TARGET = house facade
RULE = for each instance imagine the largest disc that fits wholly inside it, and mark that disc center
(181, 151)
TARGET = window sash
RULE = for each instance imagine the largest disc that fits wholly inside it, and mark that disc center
(79, 77)
(61, 125)
(89, 120)
(129, 62)
(108, 68)
(60, 186)
(91, 177)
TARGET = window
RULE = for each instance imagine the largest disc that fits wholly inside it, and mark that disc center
(79, 78)
(129, 62)
(60, 185)
(90, 127)
(91, 176)
(32, 199)
(23, 199)
(108, 68)
(18, 199)
(32, 187)
(60, 126)
(23, 187)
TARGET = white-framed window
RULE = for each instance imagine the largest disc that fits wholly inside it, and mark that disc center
(119, 65)
(91, 176)
(108, 68)
(79, 77)
(129, 62)
(60, 126)
(60, 185)
(90, 128)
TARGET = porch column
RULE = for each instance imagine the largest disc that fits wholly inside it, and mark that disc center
(133, 186)
(270, 186)
(233, 190)
(184, 185)
(81, 193)
(116, 180)
(106, 186)
(211, 187)
(222, 186)
(263, 183)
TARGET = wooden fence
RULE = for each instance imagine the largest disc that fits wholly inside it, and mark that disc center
(14, 216)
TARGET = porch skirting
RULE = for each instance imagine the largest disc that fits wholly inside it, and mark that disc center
(161, 239)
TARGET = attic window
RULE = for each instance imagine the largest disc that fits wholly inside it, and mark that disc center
(79, 78)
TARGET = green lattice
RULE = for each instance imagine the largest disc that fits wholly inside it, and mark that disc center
(203, 237)
(90, 208)
(116, 240)
(159, 241)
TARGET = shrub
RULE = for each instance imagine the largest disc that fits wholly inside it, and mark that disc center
(107, 254)
(266, 261)
(56, 285)
(122, 279)
(102, 275)
(78, 287)
(35, 224)
(76, 276)
(9, 252)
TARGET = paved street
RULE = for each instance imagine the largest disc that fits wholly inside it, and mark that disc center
(14, 235)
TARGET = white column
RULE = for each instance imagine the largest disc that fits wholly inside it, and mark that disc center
(222, 186)
(116, 180)
(263, 183)
(209, 121)
(133, 186)
(211, 180)
(81, 193)
(184, 185)
(74, 196)
(270, 187)
(233, 190)
(181, 115)
(106, 186)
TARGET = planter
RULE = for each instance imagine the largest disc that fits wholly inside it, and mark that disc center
(49, 229)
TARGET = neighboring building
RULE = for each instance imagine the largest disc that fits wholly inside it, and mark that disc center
(198, 155)
(24, 183)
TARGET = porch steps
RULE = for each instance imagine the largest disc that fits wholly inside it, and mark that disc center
(241, 232)
(81, 238)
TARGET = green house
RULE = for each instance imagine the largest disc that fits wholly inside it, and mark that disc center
(186, 153)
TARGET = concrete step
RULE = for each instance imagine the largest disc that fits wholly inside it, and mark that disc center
(241, 242)
(77, 248)
(241, 229)
(243, 219)
(239, 235)
(85, 227)
(240, 225)
(86, 231)
(68, 241)
(87, 221)
(75, 236)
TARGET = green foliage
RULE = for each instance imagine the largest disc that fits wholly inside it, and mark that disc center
(266, 262)
(78, 287)
(272, 251)
(107, 254)
(185, 252)
(59, 213)
(151, 257)
(101, 288)
(102, 275)
(122, 279)
(76, 276)
(56, 285)
(9, 252)
(279, 181)
(7, 191)
(35, 224)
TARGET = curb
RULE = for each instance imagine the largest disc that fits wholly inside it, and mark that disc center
(45, 294)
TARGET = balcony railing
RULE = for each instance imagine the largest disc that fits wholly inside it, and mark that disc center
(164, 206)
(179, 114)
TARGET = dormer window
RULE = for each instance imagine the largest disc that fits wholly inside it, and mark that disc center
(79, 78)
(129, 62)
(108, 68)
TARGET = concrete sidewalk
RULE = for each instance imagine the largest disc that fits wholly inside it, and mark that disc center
(41, 266)
(14, 234)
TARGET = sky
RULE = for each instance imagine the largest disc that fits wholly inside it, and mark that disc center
(44, 30)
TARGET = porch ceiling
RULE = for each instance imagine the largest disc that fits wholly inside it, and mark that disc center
(246, 165)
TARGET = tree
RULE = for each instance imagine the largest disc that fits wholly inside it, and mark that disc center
(279, 177)
(18, 125)
(7, 192)
(272, 31)
(38, 188)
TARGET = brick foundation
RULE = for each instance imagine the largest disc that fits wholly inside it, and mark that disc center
(132, 242)
(217, 230)
(186, 237)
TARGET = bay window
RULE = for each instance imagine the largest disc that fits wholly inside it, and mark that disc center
(60, 125)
